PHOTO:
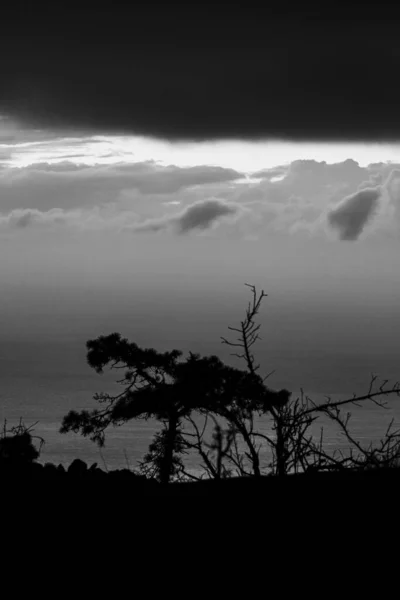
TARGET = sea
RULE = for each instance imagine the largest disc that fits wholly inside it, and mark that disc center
(41, 383)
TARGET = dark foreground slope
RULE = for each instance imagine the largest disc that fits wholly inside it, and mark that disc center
(113, 520)
(335, 489)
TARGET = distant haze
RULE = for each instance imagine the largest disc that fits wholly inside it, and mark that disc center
(161, 251)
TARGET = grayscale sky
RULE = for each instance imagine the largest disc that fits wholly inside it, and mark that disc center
(156, 239)
(154, 158)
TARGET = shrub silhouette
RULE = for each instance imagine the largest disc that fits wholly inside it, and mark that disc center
(16, 445)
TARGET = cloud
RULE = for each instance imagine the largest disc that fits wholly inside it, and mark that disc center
(351, 215)
(355, 211)
(272, 173)
(79, 219)
(392, 185)
(287, 77)
(5, 155)
(310, 196)
(310, 180)
(200, 215)
(26, 218)
(203, 214)
(67, 185)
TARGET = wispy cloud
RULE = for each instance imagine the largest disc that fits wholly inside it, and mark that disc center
(80, 219)
(21, 218)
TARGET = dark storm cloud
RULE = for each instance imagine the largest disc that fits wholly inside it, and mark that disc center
(200, 215)
(201, 73)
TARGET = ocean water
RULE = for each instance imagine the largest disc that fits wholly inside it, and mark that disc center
(41, 383)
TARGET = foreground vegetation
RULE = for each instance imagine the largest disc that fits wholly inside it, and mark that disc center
(188, 396)
(209, 409)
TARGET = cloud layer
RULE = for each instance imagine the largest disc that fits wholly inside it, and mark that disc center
(184, 75)
(67, 184)
(302, 198)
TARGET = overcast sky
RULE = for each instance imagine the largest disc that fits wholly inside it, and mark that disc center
(151, 165)
(311, 71)
(95, 237)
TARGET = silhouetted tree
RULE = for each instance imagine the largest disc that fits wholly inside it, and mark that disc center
(243, 421)
(292, 444)
(312, 455)
(234, 439)
(152, 463)
(160, 385)
(181, 392)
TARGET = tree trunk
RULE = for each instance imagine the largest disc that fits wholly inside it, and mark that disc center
(241, 427)
(255, 459)
(167, 463)
(280, 448)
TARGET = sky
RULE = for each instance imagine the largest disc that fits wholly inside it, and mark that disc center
(153, 162)
(156, 240)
